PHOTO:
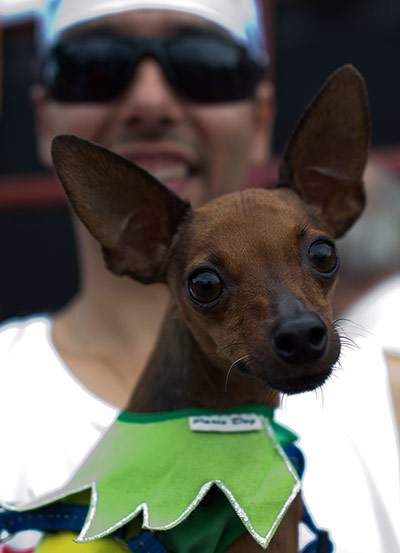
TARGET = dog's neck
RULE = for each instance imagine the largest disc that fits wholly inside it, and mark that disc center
(185, 377)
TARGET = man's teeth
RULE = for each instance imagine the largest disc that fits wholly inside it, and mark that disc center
(170, 173)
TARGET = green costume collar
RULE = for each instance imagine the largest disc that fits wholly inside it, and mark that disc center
(155, 465)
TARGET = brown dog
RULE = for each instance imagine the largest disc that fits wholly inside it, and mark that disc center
(251, 273)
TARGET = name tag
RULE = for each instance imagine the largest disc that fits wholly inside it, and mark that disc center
(246, 422)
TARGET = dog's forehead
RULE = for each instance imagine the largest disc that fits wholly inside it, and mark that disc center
(267, 209)
(238, 228)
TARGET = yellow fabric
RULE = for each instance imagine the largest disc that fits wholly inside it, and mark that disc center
(62, 542)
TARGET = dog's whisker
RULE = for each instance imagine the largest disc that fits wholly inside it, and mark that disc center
(322, 397)
(347, 343)
(270, 396)
(231, 345)
(230, 368)
(344, 325)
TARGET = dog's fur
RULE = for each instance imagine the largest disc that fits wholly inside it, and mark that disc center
(251, 273)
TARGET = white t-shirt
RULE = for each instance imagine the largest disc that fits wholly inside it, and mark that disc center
(49, 422)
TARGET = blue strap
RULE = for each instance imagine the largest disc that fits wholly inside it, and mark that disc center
(322, 542)
(297, 458)
(65, 516)
(145, 542)
(51, 518)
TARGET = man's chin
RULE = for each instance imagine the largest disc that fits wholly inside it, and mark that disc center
(181, 187)
(190, 190)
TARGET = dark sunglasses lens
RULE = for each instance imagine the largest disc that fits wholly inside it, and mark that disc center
(211, 70)
(86, 71)
(203, 69)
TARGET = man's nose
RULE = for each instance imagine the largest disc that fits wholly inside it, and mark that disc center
(149, 98)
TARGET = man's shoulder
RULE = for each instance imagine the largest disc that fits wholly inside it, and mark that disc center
(25, 323)
(17, 334)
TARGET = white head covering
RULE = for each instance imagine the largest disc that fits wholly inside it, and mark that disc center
(242, 18)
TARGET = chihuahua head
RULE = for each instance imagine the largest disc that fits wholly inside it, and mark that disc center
(253, 272)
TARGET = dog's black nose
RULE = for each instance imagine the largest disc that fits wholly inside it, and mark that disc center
(300, 340)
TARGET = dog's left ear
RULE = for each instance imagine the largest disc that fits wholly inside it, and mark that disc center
(326, 156)
(131, 214)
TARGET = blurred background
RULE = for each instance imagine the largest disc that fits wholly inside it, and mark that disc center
(308, 40)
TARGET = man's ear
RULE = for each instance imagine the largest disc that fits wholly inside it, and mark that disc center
(264, 117)
(131, 214)
(326, 156)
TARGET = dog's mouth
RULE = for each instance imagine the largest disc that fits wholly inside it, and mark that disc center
(282, 379)
(300, 384)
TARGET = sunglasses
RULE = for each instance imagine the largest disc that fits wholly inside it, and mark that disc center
(201, 68)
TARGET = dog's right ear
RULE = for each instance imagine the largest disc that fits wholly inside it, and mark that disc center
(131, 214)
(326, 156)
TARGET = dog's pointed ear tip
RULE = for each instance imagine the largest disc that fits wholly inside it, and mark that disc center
(64, 138)
(349, 73)
(348, 69)
(61, 141)
(68, 140)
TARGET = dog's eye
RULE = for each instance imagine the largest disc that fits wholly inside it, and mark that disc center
(205, 286)
(323, 257)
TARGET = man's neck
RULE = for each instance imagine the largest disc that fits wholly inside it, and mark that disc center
(107, 332)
